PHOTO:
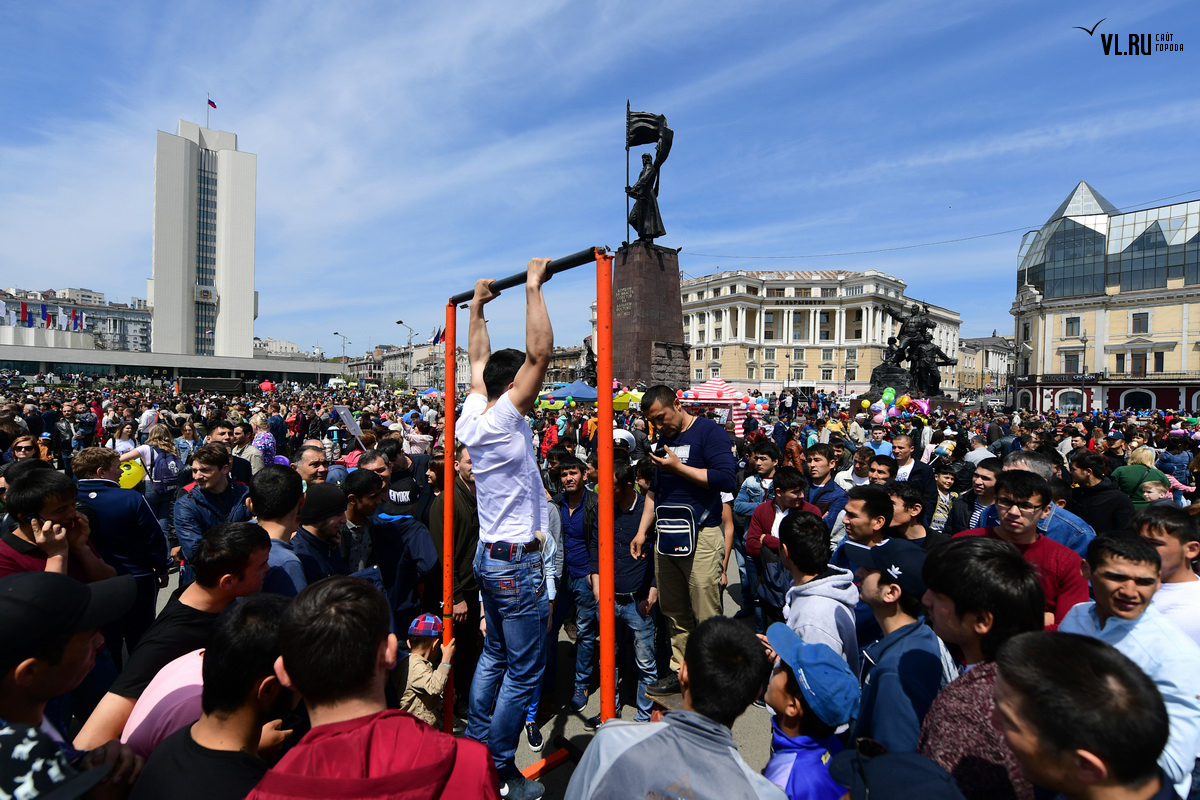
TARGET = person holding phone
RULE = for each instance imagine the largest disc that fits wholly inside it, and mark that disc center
(51, 534)
(694, 466)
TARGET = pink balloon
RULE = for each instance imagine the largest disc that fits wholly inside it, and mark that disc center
(893, 412)
(879, 418)
(679, 392)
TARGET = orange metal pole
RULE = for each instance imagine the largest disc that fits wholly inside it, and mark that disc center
(604, 442)
(449, 475)
(540, 768)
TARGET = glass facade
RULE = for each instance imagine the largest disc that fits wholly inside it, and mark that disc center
(1080, 252)
(206, 248)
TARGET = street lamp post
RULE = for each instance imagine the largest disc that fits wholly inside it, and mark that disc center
(1083, 337)
(345, 341)
(408, 378)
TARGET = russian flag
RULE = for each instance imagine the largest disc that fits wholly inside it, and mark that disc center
(211, 103)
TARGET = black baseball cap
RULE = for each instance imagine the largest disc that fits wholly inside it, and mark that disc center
(901, 559)
(38, 606)
(322, 501)
(33, 765)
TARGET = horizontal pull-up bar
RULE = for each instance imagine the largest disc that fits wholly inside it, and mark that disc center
(563, 264)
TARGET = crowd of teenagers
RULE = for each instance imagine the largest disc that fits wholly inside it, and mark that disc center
(974, 605)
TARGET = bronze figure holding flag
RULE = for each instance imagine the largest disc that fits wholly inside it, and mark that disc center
(644, 128)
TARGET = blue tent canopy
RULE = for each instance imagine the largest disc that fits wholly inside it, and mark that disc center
(580, 391)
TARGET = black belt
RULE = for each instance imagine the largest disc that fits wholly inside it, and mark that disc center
(510, 551)
(626, 597)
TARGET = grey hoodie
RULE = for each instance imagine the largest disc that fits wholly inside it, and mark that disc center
(822, 610)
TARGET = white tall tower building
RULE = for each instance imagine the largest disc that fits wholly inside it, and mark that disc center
(202, 289)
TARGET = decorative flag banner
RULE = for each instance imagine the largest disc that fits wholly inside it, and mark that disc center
(45, 315)
(211, 103)
(24, 313)
(83, 321)
(208, 331)
(74, 319)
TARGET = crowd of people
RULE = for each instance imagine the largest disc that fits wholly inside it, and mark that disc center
(967, 605)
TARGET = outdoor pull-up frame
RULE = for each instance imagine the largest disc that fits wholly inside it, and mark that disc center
(604, 440)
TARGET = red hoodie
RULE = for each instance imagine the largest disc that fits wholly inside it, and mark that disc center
(386, 756)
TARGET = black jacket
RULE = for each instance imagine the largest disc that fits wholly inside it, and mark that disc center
(960, 514)
(466, 538)
(1103, 506)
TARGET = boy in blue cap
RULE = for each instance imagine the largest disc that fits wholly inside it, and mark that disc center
(902, 671)
(812, 693)
(418, 682)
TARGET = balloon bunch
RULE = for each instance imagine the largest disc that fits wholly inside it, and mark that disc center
(889, 406)
(752, 402)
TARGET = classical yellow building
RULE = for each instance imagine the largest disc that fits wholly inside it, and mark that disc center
(1107, 309)
(985, 367)
(800, 330)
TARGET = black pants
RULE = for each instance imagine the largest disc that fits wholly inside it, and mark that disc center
(466, 655)
(123, 635)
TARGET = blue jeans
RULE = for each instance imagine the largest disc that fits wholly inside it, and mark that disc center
(163, 505)
(564, 605)
(643, 629)
(509, 671)
(750, 580)
(587, 620)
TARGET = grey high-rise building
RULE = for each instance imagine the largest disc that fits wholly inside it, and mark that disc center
(202, 289)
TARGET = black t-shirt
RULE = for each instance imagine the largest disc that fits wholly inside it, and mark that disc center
(931, 539)
(183, 770)
(178, 630)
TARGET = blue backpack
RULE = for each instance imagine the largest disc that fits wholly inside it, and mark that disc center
(165, 469)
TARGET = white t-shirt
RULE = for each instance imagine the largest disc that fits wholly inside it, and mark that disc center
(508, 485)
(902, 473)
(1180, 603)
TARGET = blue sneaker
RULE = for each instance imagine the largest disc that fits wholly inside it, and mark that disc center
(518, 787)
(579, 700)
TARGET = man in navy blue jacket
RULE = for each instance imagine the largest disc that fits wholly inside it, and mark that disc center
(683, 513)
(901, 673)
(128, 537)
(214, 499)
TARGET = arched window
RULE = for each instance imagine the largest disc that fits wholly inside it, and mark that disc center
(1069, 400)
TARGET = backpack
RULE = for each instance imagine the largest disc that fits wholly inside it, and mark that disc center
(774, 579)
(165, 469)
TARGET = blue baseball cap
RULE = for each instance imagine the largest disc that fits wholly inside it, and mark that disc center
(901, 559)
(830, 688)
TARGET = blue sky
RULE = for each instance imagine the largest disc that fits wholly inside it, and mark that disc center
(406, 149)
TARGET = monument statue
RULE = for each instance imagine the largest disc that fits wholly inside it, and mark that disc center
(916, 346)
(645, 128)
(588, 375)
